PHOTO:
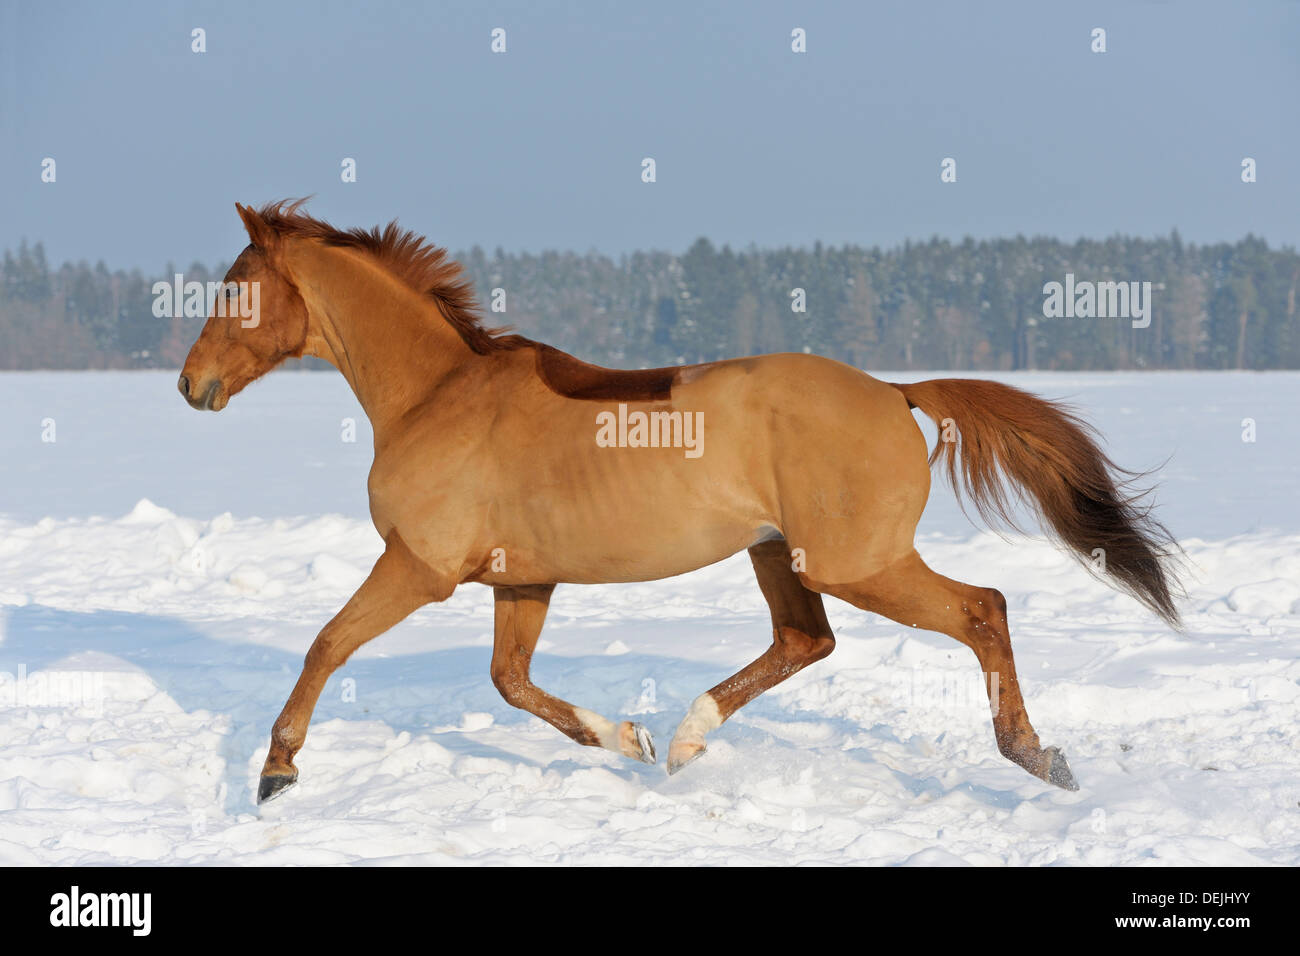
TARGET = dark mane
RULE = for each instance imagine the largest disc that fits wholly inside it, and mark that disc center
(423, 266)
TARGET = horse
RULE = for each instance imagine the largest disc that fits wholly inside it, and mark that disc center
(502, 461)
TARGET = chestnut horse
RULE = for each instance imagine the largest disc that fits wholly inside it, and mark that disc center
(502, 461)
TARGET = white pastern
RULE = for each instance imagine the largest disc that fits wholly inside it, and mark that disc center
(606, 731)
(699, 720)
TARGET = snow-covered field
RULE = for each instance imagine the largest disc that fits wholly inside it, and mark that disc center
(162, 573)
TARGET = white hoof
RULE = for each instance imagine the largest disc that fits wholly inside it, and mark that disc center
(688, 741)
(683, 752)
(635, 742)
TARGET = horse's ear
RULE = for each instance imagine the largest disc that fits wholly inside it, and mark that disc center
(260, 233)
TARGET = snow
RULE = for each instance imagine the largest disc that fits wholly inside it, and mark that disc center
(162, 573)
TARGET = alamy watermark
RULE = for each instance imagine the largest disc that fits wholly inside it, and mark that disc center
(53, 688)
(198, 300)
(922, 688)
(656, 429)
(75, 908)
(1098, 300)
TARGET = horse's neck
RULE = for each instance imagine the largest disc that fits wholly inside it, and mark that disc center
(389, 341)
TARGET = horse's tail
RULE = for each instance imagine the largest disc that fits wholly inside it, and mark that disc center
(1055, 465)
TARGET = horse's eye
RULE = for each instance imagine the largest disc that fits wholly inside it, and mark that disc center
(232, 290)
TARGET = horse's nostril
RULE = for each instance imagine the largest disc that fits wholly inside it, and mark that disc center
(184, 385)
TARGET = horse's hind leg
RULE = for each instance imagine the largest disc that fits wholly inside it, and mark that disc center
(520, 613)
(800, 636)
(910, 593)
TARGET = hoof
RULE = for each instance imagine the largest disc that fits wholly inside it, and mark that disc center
(681, 754)
(636, 742)
(272, 785)
(1058, 772)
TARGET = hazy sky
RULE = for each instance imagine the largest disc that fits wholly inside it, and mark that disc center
(541, 147)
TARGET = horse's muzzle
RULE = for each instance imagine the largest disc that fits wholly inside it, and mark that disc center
(203, 402)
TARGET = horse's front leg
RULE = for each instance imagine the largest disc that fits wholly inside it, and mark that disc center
(398, 584)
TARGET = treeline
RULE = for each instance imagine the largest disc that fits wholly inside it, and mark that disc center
(78, 316)
(931, 305)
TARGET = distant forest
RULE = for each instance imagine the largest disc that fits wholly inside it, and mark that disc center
(929, 305)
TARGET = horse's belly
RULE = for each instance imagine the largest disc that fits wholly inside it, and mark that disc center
(645, 554)
(630, 536)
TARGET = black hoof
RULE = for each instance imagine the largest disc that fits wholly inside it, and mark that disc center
(1059, 771)
(272, 785)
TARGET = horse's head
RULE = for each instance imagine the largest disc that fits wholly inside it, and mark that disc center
(257, 322)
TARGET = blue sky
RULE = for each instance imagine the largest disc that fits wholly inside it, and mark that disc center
(541, 147)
